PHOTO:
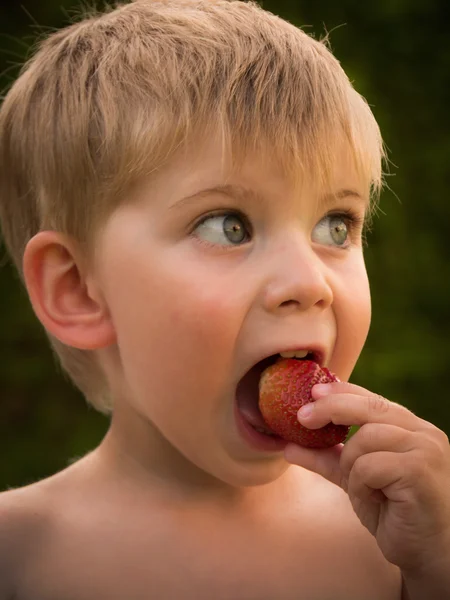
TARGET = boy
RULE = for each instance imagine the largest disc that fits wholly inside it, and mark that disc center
(183, 188)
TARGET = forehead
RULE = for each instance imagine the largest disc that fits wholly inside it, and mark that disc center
(214, 163)
(199, 173)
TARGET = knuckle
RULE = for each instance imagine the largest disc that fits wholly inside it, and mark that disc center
(359, 469)
(368, 435)
(333, 410)
(418, 467)
(436, 453)
(434, 442)
(438, 435)
(377, 405)
(335, 415)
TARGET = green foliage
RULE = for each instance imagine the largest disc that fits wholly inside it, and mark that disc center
(397, 54)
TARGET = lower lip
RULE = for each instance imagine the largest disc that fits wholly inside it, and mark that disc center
(255, 439)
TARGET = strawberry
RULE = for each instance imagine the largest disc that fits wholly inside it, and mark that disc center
(286, 386)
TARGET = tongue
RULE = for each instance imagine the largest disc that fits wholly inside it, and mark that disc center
(247, 395)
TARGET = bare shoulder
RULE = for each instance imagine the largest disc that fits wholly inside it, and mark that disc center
(351, 551)
(28, 518)
(24, 519)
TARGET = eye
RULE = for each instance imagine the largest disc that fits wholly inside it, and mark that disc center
(227, 229)
(333, 230)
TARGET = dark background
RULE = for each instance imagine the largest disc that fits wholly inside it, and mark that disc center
(397, 53)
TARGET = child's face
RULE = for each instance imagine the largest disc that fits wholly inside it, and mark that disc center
(191, 318)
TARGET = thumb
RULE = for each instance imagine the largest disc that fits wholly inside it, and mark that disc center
(325, 461)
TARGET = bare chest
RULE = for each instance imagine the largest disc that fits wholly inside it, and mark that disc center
(199, 559)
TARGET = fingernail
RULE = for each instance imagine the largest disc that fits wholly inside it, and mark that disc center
(305, 411)
(321, 389)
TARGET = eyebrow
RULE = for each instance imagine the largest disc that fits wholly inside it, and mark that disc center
(233, 191)
(342, 195)
(249, 195)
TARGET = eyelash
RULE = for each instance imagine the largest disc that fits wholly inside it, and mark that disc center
(353, 221)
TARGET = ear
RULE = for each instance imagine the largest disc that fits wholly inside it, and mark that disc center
(65, 299)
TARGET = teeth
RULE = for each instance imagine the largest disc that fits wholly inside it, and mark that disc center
(296, 354)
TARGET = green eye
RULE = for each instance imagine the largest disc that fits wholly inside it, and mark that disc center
(332, 230)
(223, 229)
(338, 230)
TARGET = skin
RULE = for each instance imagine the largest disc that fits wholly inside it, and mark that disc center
(175, 324)
(221, 307)
(395, 470)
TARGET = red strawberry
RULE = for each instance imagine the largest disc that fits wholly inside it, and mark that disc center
(286, 386)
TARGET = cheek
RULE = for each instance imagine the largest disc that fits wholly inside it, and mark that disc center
(162, 312)
(208, 319)
(353, 315)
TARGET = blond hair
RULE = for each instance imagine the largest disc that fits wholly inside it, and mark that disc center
(107, 100)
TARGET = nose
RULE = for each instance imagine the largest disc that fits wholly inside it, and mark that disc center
(298, 278)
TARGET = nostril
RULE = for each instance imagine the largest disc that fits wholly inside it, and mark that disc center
(289, 303)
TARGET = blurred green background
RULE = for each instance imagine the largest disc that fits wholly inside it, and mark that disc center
(397, 53)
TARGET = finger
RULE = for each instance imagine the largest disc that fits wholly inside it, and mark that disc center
(380, 471)
(344, 387)
(351, 409)
(375, 438)
(325, 462)
(400, 478)
(365, 487)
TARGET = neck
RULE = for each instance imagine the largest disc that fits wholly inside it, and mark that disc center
(135, 452)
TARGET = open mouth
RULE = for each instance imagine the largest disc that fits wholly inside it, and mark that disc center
(247, 395)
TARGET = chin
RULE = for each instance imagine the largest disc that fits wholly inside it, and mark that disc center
(256, 473)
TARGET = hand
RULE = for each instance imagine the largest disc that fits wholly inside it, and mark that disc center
(395, 470)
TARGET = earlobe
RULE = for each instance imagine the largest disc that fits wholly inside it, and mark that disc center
(64, 299)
